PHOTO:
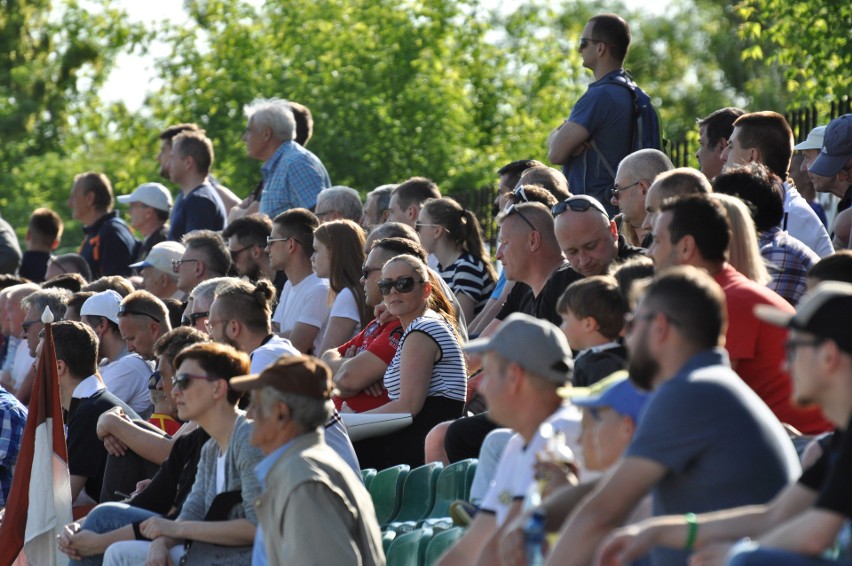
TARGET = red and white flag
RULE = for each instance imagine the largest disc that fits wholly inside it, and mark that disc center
(39, 503)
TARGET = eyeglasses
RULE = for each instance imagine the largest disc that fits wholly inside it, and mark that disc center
(123, 310)
(176, 263)
(793, 345)
(366, 271)
(585, 41)
(210, 323)
(402, 284)
(616, 190)
(235, 253)
(579, 203)
(270, 240)
(631, 319)
(514, 210)
(28, 323)
(154, 379)
(192, 319)
(418, 225)
(181, 380)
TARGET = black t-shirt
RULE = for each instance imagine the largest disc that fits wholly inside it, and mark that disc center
(591, 367)
(86, 453)
(173, 482)
(835, 467)
(521, 298)
(34, 265)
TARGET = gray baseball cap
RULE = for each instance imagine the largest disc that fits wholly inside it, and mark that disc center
(536, 345)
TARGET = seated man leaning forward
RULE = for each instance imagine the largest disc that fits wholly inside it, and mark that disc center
(689, 457)
(314, 508)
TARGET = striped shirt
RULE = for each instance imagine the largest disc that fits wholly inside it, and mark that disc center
(468, 275)
(449, 373)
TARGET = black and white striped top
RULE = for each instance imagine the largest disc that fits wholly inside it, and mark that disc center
(449, 374)
(469, 276)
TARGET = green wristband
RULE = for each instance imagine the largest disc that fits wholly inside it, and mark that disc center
(692, 522)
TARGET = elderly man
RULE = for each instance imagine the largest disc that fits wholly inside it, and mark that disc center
(339, 202)
(149, 206)
(313, 509)
(292, 175)
(158, 277)
(634, 177)
(377, 206)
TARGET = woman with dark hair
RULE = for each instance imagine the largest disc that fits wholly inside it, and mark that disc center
(427, 376)
(453, 235)
(338, 257)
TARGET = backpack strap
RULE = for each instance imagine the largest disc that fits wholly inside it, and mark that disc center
(631, 87)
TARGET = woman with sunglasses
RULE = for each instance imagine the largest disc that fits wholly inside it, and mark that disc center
(453, 235)
(427, 376)
(219, 510)
(338, 256)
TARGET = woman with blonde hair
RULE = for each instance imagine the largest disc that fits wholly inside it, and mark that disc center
(453, 235)
(427, 376)
(338, 257)
(744, 252)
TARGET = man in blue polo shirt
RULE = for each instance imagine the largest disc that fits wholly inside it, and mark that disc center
(600, 124)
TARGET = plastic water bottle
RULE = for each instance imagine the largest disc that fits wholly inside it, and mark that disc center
(534, 534)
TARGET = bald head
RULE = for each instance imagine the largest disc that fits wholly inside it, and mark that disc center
(676, 183)
(589, 240)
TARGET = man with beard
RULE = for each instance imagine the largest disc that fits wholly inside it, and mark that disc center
(246, 238)
(683, 453)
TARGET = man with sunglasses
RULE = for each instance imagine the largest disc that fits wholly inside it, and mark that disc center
(597, 135)
(246, 237)
(588, 238)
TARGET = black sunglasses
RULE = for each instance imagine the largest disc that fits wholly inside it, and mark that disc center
(181, 380)
(154, 379)
(27, 324)
(123, 310)
(514, 210)
(578, 204)
(585, 41)
(192, 319)
(402, 284)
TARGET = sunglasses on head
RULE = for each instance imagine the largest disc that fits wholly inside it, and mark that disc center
(514, 210)
(401, 284)
(578, 204)
(181, 380)
(192, 319)
(123, 310)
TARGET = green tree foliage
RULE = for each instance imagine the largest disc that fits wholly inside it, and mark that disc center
(808, 41)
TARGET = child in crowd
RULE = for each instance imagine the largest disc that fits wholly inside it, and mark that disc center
(593, 311)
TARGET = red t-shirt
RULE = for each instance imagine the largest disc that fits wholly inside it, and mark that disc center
(381, 341)
(757, 349)
(165, 423)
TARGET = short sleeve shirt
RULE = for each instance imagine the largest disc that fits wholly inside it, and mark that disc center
(306, 302)
(469, 276)
(200, 209)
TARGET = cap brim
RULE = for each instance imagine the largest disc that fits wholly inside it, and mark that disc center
(806, 145)
(773, 316)
(828, 165)
(596, 390)
(139, 264)
(124, 199)
(478, 346)
(246, 382)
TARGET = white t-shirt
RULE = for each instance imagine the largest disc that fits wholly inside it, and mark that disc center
(127, 379)
(344, 306)
(516, 471)
(22, 363)
(306, 302)
(265, 355)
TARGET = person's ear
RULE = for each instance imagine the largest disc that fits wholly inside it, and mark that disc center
(686, 249)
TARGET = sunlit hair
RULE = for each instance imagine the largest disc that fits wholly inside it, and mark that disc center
(217, 360)
(345, 242)
(462, 227)
(247, 302)
(437, 300)
(743, 251)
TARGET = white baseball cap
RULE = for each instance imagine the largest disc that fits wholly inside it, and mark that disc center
(103, 304)
(154, 195)
(161, 256)
(814, 139)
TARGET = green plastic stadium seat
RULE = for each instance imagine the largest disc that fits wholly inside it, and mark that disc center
(386, 491)
(367, 475)
(471, 471)
(440, 543)
(418, 493)
(409, 549)
(452, 484)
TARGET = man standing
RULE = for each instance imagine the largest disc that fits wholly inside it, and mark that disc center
(766, 137)
(689, 458)
(596, 137)
(44, 233)
(292, 175)
(200, 208)
(313, 509)
(149, 207)
(695, 231)
(108, 246)
(636, 173)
